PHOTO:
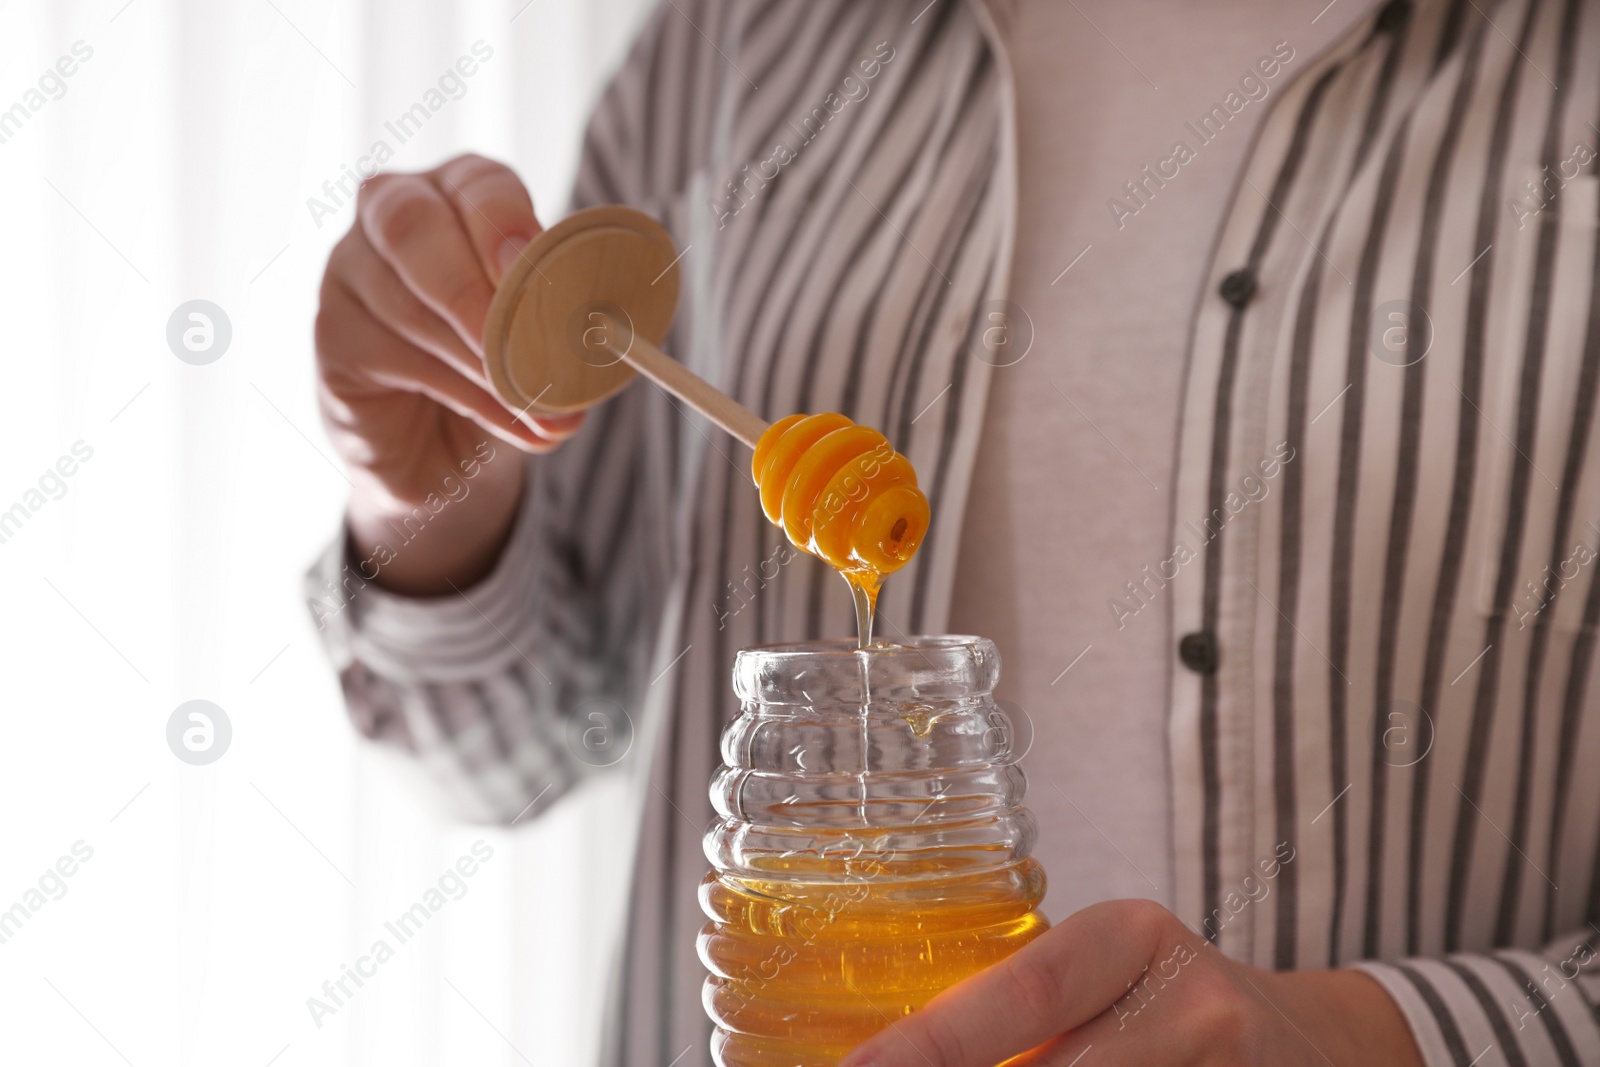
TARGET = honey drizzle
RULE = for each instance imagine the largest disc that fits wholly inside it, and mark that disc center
(864, 591)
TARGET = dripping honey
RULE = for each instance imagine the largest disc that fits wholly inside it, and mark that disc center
(842, 493)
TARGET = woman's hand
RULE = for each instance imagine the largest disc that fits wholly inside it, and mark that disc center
(403, 390)
(1126, 983)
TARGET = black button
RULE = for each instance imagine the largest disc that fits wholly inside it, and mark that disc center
(1199, 652)
(1237, 288)
(1393, 16)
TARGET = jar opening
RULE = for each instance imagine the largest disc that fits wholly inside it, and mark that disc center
(932, 667)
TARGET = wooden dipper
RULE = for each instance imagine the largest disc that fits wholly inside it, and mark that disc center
(583, 310)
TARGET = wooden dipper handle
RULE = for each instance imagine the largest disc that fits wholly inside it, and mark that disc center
(688, 387)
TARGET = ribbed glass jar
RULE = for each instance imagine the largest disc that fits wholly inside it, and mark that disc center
(872, 848)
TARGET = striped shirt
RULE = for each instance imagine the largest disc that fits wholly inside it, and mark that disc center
(1381, 669)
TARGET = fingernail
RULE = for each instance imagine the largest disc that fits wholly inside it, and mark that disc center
(510, 250)
(558, 428)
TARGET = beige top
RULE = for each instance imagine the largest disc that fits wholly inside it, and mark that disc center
(1102, 385)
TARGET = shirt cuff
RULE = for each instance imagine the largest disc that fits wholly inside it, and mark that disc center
(1459, 1007)
(460, 637)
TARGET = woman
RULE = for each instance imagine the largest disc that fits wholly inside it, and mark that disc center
(1249, 361)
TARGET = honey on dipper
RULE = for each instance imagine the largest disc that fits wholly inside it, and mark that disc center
(842, 493)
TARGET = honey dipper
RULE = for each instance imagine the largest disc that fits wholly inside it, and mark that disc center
(583, 309)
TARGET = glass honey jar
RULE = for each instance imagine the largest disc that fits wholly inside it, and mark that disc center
(872, 848)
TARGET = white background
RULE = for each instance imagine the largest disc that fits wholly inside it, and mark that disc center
(177, 165)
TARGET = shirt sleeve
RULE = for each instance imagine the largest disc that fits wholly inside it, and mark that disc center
(1513, 1006)
(512, 692)
(466, 685)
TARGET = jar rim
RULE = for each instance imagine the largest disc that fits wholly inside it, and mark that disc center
(845, 646)
(951, 665)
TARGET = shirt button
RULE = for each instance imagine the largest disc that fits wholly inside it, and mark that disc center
(1393, 15)
(1238, 287)
(1199, 652)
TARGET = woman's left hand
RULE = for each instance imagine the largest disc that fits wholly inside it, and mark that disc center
(1126, 982)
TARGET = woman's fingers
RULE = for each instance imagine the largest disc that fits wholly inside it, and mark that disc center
(1186, 1010)
(493, 206)
(1062, 980)
(555, 428)
(417, 232)
(373, 281)
(394, 363)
